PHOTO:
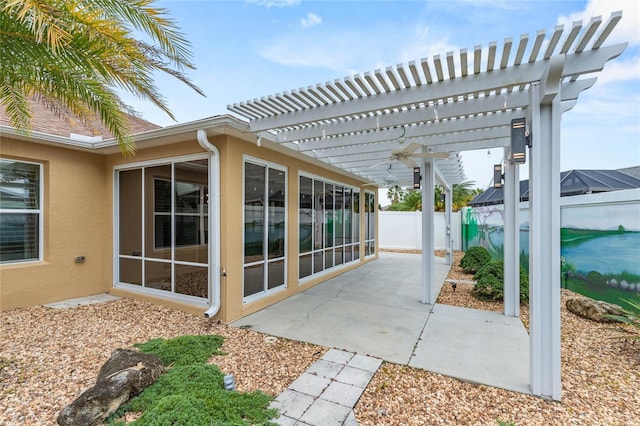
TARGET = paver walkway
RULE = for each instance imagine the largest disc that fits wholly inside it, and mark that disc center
(326, 393)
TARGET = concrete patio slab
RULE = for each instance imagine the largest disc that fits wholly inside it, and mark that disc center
(475, 346)
(383, 331)
(376, 310)
(81, 301)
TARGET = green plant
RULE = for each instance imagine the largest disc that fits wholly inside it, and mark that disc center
(630, 320)
(490, 282)
(474, 259)
(505, 423)
(184, 350)
(176, 410)
(192, 393)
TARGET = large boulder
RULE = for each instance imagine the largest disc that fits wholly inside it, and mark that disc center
(595, 310)
(123, 376)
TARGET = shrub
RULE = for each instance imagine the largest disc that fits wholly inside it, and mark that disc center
(194, 395)
(184, 350)
(176, 410)
(490, 282)
(474, 259)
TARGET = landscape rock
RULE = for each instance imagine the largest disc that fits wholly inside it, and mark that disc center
(595, 310)
(123, 376)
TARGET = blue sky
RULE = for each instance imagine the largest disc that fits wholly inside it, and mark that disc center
(248, 49)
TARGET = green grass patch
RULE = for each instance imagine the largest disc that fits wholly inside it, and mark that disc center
(192, 393)
(184, 350)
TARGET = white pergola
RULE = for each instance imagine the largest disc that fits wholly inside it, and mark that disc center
(379, 124)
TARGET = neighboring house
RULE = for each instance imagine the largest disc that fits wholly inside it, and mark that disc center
(572, 182)
(201, 219)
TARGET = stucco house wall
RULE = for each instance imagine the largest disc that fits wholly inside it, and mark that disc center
(80, 219)
(76, 218)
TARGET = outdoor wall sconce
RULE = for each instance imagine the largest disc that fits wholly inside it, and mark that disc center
(519, 136)
(259, 141)
(497, 176)
(416, 178)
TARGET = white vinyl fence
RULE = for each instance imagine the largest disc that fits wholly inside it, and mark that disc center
(403, 230)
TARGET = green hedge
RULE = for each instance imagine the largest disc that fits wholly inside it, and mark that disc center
(490, 282)
(474, 259)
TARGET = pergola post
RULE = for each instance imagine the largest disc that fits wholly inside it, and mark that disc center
(448, 213)
(511, 190)
(544, 233)
(428, 272)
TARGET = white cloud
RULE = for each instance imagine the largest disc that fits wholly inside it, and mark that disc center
(627, 29)
(619, 70)
(275, 3)
(311, 20)
(423, 44)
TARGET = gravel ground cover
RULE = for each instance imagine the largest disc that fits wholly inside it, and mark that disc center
(49, 356)
(600, 379)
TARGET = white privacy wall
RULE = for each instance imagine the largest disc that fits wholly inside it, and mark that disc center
(403, 230)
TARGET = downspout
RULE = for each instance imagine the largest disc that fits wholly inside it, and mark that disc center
(214, 211)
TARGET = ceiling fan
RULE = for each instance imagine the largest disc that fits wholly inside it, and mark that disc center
(408, 155)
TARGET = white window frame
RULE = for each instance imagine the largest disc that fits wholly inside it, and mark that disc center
(194, 300)
(266, 291)
(374, 233)
(314, 178)
(39, 211)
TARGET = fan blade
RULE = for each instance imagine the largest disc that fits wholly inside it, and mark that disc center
(408, 162)
(380, 163)
(430, 155)
(411, 148)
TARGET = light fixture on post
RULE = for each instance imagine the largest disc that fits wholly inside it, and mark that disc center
(519, 135)
(416, 178)
(259, 140)
(497, 176)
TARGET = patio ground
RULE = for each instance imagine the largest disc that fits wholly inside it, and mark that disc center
(49, 356)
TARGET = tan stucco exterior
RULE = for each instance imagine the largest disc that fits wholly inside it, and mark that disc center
(76, 223)
(79, 221)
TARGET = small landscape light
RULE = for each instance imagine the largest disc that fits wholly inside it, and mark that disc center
(229, 382)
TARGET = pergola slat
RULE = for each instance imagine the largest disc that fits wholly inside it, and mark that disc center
(334, 114)
(464, 66)
(575, 29)
(414, 73)
(506, 52)
(424, 63)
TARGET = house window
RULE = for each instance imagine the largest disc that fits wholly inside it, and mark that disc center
(20, 211)
(329, 233)
(265, 222)
(162, 228)
(190, 213)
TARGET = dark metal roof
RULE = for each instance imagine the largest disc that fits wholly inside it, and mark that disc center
(631, 171)
(572, 182)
